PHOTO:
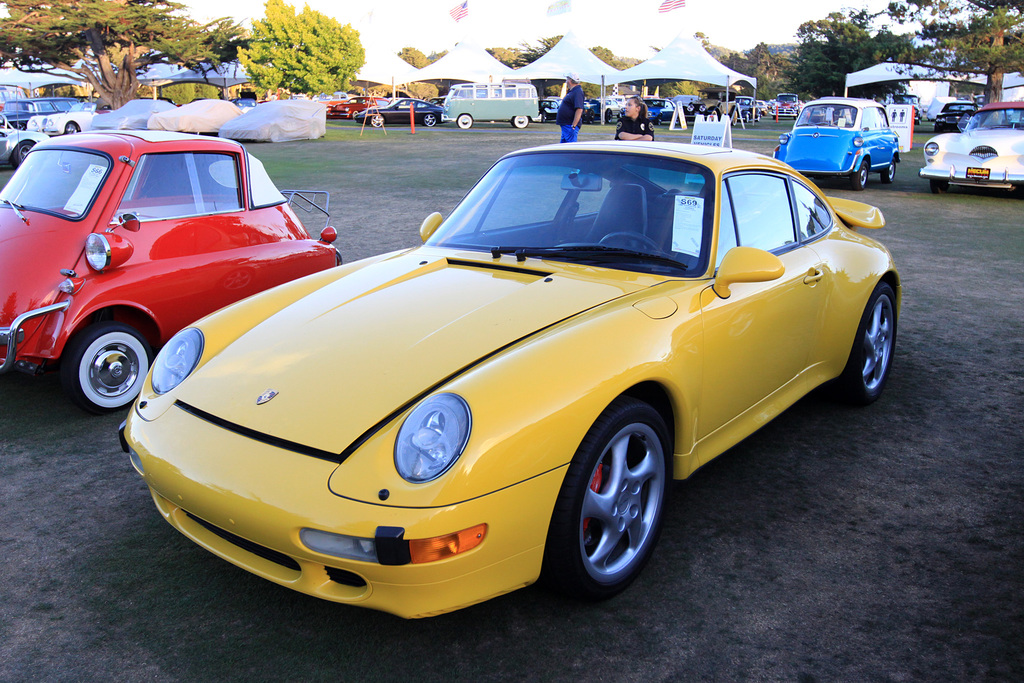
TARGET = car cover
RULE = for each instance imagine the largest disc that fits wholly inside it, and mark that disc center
(201, 116)
(132, 116)
(279, 121)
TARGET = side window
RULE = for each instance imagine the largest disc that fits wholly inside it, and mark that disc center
(762, 213)
(726, 228)
(813, 217)
(182, 184)
(869, 119)
(481, 92)
(883, 119)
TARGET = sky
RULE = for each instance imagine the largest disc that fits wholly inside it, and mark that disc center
(629, 28)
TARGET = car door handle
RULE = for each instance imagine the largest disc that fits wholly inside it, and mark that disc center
(813, 275)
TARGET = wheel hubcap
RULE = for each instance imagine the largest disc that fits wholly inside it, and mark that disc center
(113, 371)
(877, 344)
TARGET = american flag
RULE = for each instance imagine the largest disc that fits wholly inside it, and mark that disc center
(460, 12)
(670, 5)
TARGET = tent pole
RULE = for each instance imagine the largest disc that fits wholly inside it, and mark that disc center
(602, 99)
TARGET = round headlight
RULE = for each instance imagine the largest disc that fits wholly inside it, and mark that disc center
(858, 141)
(931, 149)
(97, 251)
(177, 359)
(432, 437)
(783, 139)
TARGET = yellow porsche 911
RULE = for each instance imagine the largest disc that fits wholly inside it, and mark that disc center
(427, 429)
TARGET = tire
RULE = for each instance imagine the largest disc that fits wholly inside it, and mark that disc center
(520, 122)
(20, 152)
(104, 366)
(939, 186)
(464, 121)
(889, 172)
(608, 513)
(71, 127)
(860, 179)
(377, 121)
(430, 120)
(870, 361)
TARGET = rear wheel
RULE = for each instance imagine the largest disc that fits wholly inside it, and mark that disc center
(104, 366)
(860, 179)
(71, 127)
(377, 121)
(520, 122)
(20, 152)
(430, 120)
(867, 368)
(608, 514)
(939, 186)
(464, 121)
(889, 172)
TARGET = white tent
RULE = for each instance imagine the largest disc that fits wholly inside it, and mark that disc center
(569, 54)
(32, 80)
(684, 59)
(386, 68)
(467, 61)
(888, 71)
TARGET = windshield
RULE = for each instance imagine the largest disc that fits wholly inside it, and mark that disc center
(833, 115)
(786, 98)
(655, 213)
(58, 181)
(997, 118)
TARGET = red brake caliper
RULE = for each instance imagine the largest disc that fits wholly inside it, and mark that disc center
(595, 486)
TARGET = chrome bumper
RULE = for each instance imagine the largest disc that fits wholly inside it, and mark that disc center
(13, 335)
(957, 175)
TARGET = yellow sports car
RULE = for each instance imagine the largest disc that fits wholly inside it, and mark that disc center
(426, 429)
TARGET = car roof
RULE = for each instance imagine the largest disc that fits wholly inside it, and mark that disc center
(1002, 105)
(855, 101)
(91, 138)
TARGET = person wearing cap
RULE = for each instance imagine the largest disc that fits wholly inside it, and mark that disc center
(570, 111)
(634, 124)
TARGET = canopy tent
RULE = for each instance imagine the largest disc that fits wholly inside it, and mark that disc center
(32, 80)
(385, 68)
(889, 71)
(222, 76)
(467, 61)
(684, 59)
(569, 54)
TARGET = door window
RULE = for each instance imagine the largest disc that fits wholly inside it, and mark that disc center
(761, 210)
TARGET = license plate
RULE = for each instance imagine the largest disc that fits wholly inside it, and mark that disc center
(977, 173)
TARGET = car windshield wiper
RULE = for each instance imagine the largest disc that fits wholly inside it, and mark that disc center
(17, 209)
(595, 251)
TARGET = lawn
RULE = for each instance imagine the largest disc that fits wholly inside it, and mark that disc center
(836, 544)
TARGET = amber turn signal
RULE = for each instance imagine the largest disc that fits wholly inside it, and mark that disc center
(442, 547)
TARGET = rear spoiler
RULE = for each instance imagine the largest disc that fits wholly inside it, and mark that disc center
(857, 214)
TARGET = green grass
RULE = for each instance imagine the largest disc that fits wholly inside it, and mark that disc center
(835, 544)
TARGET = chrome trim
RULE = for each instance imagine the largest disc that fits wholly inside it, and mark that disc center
(14, 331)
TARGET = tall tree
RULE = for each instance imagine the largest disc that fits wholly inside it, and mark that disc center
(832, 47)
(108, 43)
(307, 52)
(966, 37)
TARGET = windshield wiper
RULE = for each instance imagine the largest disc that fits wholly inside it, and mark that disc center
(17, 209)
(595, 252)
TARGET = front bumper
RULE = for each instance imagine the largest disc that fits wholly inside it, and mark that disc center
(247, 502)
(963, 172)
(12, 336)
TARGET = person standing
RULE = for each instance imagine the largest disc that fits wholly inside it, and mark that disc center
(634, 124)
(570, 111)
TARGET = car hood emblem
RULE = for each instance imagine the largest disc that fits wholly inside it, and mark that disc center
(265, 396)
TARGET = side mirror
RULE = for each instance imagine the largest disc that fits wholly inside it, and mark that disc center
(130, 222)
(746, 264)
(429, 225)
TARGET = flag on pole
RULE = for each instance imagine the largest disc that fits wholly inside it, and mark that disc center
(670, 5)
(559, 7)
(460, 12)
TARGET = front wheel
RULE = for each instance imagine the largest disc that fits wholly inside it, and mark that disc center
(103, 366)
(71, 127)
(608, 513)
(430, 120)
(939, 186)
(464, 121)
(520, 122)
(860, 179)
(889, 172)
(867, 368)
(20, 152)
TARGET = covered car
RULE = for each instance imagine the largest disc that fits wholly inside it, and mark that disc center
(842, 136)
(429, 428)
(112, 242)
(279, 121)
(988, 153)
(200, 116)
(132, 116)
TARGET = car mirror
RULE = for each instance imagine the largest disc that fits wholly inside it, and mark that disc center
(429, 225)
(584, 182)
(746, 264)
(129, 221)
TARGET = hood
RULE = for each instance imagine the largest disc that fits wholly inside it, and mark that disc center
(351, 353)
(1003, 140)
(31, 258)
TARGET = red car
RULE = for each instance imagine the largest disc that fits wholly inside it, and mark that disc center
(112, 242)
(348, 108)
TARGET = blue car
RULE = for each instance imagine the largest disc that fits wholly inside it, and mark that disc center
(842, 136)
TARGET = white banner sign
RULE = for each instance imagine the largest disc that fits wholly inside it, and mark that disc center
(712, 132)
(901, 120)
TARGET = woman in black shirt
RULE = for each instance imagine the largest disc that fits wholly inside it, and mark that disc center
(634, 124)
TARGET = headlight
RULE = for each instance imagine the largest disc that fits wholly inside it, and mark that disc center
(931, 149)
(97, 251)
(858, 141)
(783, 139)
(432, 437)
(177, 360)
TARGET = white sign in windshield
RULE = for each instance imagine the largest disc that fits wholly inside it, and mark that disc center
(688, 225)
(83, 194)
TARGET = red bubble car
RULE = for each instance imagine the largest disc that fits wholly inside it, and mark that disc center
(112, 242)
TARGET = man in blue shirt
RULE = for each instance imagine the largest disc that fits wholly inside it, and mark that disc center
(570, 111)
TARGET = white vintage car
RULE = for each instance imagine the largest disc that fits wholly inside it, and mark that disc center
(988, 153)
(74, 120)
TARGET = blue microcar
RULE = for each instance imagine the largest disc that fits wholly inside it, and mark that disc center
(842, 136)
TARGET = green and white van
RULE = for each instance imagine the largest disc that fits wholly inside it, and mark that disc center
(512, 102)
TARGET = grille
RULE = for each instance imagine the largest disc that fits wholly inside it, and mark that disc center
(984, 152)
(345, 578)
(248, 546)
